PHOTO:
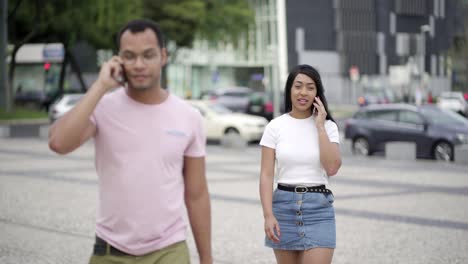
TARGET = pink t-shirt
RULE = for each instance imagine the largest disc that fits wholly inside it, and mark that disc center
(140, 151)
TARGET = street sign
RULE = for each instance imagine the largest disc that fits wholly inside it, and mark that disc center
(53, 52)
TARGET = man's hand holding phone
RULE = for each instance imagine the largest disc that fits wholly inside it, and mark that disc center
(112, 74)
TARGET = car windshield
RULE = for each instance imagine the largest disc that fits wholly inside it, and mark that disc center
(443, 117)
(219, 109)
(73, 100)
(450, 97)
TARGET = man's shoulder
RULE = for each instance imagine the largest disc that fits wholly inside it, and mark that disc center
(182, 106)
(111, 96)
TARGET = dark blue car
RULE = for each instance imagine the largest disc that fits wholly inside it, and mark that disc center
(436, 132)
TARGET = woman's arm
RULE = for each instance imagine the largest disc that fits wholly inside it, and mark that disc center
(266, 193)
(330, 156)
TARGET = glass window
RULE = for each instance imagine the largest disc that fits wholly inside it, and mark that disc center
(236, 94)
(444, 117)
(199, 109)
(219, 109)
(385, 115)
(360, 115)
(410, 117)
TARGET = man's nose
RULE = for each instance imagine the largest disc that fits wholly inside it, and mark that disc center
(139, 62)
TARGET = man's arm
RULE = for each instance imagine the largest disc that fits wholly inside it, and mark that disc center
(74, 128)
(197, 200)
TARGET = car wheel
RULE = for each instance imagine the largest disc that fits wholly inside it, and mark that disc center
(231, 131)
(361, 146)
(443, 151)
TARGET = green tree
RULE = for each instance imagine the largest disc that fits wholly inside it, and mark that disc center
(212, 20)
(97, 22)
(67, 21)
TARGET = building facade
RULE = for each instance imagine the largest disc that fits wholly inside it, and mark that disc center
(398, 44)
(251, 62)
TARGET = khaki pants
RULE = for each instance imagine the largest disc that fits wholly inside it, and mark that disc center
(174, 254)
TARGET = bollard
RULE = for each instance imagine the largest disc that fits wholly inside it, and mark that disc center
(346, 147)
(4, 131)
(400, 150)
(461, 154)
(233, 140)
(44, 131)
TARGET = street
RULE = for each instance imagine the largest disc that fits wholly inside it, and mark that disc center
(387, 211)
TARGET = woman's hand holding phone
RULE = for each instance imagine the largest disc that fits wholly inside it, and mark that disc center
(319, 112)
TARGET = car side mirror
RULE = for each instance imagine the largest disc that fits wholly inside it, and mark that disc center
(425, 126)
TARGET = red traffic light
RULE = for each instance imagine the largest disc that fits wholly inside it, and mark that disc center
(47, 66)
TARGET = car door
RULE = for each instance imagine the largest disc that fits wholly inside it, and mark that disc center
(380, 126)
(208, 124)
(411, 128)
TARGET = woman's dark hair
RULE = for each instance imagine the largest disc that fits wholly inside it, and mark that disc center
(314, 75)
(140, 25)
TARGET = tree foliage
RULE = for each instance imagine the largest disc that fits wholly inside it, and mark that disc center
(212, 20)
(67, 21)
(98, 21)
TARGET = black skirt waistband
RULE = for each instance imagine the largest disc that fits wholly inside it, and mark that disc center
(303, 189)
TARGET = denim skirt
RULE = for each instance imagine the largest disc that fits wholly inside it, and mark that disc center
(306, 220)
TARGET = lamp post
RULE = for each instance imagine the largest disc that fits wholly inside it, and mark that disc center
(5, 96)
(424, 29)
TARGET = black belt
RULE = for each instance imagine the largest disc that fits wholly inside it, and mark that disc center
(100, 248)
(304, 189)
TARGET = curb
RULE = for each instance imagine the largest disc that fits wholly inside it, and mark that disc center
(24, 128)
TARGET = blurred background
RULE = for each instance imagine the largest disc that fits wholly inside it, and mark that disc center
(367, 51)
(404, 173)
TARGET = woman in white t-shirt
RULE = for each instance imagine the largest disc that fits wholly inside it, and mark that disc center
(304, 142)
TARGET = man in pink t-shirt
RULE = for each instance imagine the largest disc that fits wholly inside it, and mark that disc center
(150, 156)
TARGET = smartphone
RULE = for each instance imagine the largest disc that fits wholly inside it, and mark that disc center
(122, 78)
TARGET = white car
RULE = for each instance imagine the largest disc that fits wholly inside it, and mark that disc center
(63, 105)
(453, 101)
(220, 121)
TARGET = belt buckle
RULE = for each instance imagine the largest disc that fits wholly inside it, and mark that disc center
(304, 188)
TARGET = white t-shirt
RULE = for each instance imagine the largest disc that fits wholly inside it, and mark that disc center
(297, 149)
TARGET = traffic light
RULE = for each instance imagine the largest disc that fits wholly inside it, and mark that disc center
(47, 66)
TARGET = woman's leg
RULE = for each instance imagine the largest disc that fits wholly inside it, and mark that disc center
(287, 256)
(316, 256)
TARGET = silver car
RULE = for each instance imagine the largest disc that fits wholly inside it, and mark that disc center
(63, 105)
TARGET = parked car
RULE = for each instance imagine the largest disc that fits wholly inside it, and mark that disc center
(63, 105)
(36, 99)
(376, 96)
(435, 131)
(261, 104)
(219, 121)
(453, 101)
(233, 98)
